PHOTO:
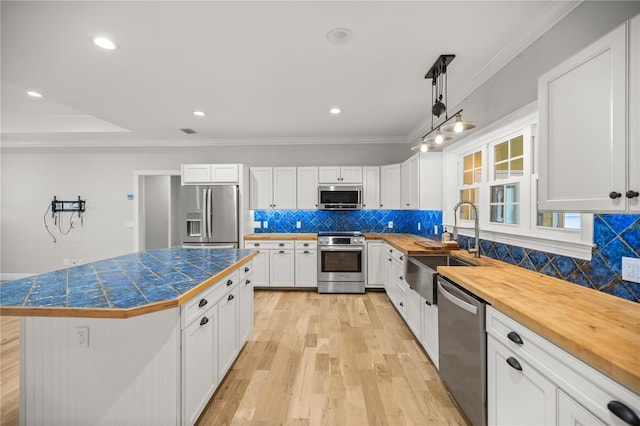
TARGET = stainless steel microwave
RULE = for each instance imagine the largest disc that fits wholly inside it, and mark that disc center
(340, 197)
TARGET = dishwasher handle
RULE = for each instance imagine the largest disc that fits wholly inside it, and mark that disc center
(456, 301)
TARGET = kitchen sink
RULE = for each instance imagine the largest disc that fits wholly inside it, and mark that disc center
(421, 273)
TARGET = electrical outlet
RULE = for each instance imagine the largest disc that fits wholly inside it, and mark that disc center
(435, 229)
(74, 262)
(257, 224)
(419, 226)
(82, 336)
(65, 262)
(80, 261)
(265, 224)
(390, 224)
(631, 269)
(298, 225)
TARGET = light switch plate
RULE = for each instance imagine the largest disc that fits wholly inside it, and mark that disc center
(257, 224)
(631, 269)
(265, 224)
(298, 224)
(390, 224)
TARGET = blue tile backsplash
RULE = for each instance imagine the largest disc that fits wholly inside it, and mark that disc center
(404, 221)
(615, 236)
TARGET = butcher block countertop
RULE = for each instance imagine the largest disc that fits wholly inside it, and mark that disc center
(600, 329)
(413, 244)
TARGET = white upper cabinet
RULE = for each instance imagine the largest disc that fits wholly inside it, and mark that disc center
(307, 188)
(340, 174)
(272, 188)
(371, 188)
(421, 182)
(390, 187)
(588, 112)
(198, 174)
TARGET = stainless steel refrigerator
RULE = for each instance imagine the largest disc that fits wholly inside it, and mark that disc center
(209, 216)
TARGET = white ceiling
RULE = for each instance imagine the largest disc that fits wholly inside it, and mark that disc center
(263, 71)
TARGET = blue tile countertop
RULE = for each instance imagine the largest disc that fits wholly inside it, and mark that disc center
(123, 286)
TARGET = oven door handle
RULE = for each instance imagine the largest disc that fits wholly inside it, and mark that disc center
(341, 248)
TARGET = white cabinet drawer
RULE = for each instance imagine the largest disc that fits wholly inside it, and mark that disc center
(202, 301)
(395, 253)
(306, 245)
(269, 245)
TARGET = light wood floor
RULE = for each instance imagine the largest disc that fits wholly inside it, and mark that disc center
(311, 359)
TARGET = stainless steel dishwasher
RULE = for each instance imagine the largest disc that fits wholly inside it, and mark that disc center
(463, 349)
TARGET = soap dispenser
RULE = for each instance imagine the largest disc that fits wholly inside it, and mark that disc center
(446, 236)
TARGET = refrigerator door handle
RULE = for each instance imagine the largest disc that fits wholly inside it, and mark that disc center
(204, 213)
(209, 214)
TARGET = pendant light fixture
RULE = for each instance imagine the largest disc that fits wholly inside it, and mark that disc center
(438, 75)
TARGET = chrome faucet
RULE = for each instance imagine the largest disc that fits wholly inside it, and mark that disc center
(476, 227)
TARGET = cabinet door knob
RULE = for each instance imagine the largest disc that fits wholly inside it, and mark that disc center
(400, 277)
(613, 195)
(515, 338)
(401, 304)
(204, 320)
(401, 257)
(247, 282)
(246, 269)
(623, 412)
(230, 297)
(229, 282)
(632, 194)
(514, 363)
(426, 302)
(202, 302)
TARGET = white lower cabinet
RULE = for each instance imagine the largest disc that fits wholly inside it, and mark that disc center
(429, 338)
(306, 264)
(274, 265)
(228, 333)
(216, 323)
(532, 381)
(281, 268)
(414, 312)
(200, 363)
(245, 304)
(518, 393)
(376, 264)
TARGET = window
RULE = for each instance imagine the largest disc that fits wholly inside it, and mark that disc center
(471, 179)
(508, 170)
(505, 191)
(505, 204)
(509, 158)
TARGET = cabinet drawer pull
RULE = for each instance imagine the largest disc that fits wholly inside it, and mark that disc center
(623, 412)
(229, 282)
(256, 244)
(281, 245)
(202, 303)
(281, 251)
(390, 251)
(401, 257)
(204, 320)
(515, 338)
(230, 297)
(613, 195)
(632, 194)
(514, 363)
(401, 304)
(306, 252)
(247, 282)
(389, 260)
(426, 302)
(247, 269)
(305, 245)
(400, 277)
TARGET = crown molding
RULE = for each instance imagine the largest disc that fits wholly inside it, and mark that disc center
(189, 141)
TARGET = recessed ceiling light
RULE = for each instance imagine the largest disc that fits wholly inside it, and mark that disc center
(335, 110)
(104, 42)
(340, 36)
(34, 94)
(199, 113)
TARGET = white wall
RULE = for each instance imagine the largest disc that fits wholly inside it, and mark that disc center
(104, 177)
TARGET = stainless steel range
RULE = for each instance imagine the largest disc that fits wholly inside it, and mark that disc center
(341, 262)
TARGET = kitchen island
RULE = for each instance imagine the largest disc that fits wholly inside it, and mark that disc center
(143, 338)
